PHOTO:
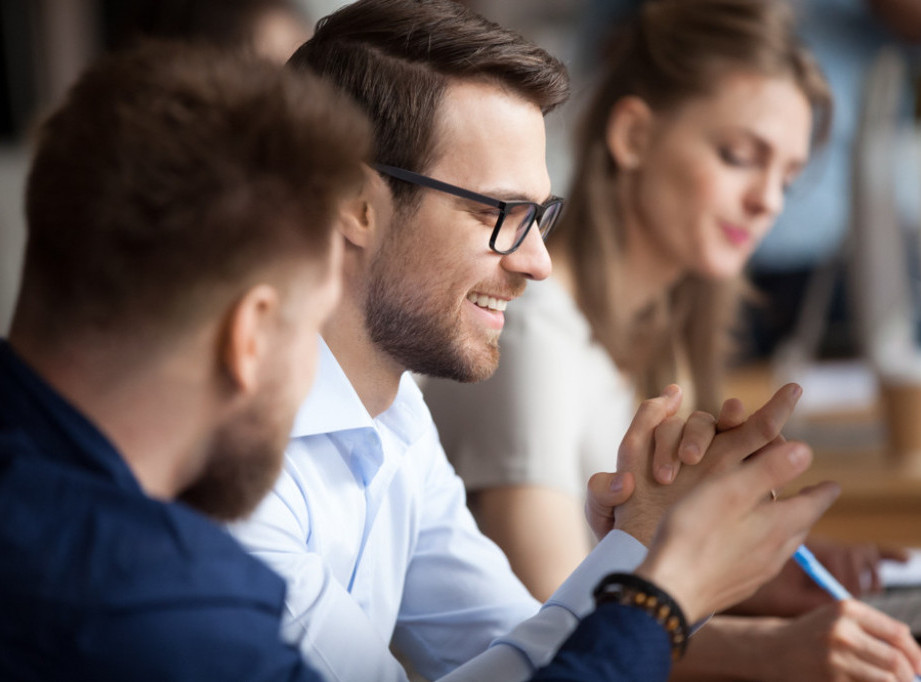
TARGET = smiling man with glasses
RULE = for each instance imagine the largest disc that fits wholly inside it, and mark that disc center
(368, 522)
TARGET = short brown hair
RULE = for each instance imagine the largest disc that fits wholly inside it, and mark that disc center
(170, 176)
(396, 57)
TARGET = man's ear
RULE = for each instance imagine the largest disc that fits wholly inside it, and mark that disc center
(629, 132)
(246, 339)
(361, 215)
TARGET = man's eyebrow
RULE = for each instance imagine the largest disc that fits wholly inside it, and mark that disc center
(505, 194)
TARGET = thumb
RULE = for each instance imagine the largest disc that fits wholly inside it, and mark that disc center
(673, 396)
(605, 492)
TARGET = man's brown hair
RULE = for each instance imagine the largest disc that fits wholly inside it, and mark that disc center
(170, 176)
(396, 57)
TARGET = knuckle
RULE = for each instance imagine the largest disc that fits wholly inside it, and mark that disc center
(768, 426)
(701, 416)
(652, 407)
(596, 482)
(691, 456)
(847, 608)
(674, 422)
(632, 443)
(733, 497)
(837, 637)
(889, 660)
(666, 433)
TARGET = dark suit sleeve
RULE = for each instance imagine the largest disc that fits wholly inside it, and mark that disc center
(196, 643)
(613, 644)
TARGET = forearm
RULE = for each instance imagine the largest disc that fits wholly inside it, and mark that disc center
(728, 647)
(541, 531)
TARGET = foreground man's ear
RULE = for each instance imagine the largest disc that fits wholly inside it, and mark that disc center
(245, 339)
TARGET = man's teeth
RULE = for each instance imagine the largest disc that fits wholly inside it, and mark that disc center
(488, 302)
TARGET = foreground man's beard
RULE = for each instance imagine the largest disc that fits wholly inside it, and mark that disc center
(244, 461)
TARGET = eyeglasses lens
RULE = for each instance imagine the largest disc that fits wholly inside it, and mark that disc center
(516, 222)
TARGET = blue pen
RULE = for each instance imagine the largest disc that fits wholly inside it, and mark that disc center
(815, 570)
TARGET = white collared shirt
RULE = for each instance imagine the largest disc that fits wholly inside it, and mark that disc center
(369, 527)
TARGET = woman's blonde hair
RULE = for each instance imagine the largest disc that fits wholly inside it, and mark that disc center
(669, 52)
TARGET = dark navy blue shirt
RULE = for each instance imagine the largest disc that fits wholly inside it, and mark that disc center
(100, 582)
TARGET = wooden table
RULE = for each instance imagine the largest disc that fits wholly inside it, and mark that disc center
(878, 502)
(880, 499)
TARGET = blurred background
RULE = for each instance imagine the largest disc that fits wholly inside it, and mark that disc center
(839, 276)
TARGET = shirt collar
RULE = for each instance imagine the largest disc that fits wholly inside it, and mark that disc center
(333, 405)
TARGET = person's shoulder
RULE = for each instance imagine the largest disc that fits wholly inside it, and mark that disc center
(177, 639)
(85, 562)
(81, 539)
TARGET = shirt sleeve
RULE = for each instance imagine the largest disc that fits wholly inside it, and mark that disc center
(322, 620)
(461, 595)
(532, 644)
(460, 592)
(461, 603)
(183, 641)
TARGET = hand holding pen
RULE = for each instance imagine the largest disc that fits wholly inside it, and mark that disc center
(823, 577)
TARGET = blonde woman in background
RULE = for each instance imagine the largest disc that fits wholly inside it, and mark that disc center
(705, 115)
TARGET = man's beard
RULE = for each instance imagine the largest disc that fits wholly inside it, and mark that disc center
(419, 333)
(244, 461)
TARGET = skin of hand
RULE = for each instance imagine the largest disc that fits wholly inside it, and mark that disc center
(607, 491)
(793, 592)
(837, 642)
(680, 442)
(652, 428)
(726, 538)
(845, 640)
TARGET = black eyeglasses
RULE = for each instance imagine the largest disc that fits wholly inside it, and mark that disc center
(514, 220)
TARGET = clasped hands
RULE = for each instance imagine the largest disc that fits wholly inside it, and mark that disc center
(659, 443)
(696, 492)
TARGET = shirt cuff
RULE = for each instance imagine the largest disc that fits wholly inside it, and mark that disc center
(617, 552)
(537, 639)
